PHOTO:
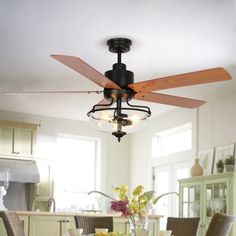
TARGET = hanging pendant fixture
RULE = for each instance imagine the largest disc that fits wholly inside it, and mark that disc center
(119, 116)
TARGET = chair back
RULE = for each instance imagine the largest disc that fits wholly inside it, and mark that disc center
(183, 226)
(12, 223)
(89, 223)
(220, 225)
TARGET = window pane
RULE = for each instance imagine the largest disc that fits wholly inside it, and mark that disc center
(172, 140)
(163, 206)
(75, 172)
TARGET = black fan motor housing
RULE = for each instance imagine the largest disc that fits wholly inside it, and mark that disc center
(120, 75)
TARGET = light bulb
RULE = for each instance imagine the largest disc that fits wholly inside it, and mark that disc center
(135, 119)
(106, 116)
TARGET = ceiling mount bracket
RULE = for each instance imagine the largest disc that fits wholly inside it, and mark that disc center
(119, 45)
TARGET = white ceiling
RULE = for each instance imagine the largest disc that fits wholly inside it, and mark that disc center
(169, 37)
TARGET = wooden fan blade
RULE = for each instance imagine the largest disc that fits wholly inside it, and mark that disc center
(197, 77)
(51, 92)
(169, 100)
(86, 70)
(103, 103)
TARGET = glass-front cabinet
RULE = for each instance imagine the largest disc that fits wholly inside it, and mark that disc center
(191, 200)
(191, 195)
(204, 196)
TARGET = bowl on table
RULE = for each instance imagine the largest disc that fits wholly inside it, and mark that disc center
(101, 230)
(75, 232)
(165, 232)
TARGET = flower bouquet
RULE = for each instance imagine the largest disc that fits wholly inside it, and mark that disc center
(137, 207)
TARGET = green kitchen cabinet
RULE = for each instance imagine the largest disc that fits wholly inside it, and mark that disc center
(50, 225)
(46, 185)
(17, 139)
(203, 196)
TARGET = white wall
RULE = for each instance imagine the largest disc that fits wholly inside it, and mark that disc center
(217, 122)
(141, 145)
(115, 157)
(217, 126)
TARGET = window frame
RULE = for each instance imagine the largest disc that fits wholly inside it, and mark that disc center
(97, 158)
(159, 136)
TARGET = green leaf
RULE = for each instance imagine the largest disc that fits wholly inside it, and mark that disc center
(149, 195)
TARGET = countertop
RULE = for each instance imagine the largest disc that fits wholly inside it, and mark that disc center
(46, 213)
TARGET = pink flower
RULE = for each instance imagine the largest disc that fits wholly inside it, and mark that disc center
(121, 206)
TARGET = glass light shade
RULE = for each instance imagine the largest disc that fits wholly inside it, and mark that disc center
(104, 119)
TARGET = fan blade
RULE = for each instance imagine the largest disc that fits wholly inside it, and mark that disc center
(104, 103)
(197, 77)
(169, 100)
(86, 70)
(51, 92)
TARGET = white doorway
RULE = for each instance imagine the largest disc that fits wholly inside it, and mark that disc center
(166, 180)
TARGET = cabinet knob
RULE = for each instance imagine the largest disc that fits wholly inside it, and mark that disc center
(16, 153)
(65, 221)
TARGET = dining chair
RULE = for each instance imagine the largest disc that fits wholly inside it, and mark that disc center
(183, 226)
(220, 225)
(89, 223)
(12, 223)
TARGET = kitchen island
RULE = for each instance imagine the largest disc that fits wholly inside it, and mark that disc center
(38, 223)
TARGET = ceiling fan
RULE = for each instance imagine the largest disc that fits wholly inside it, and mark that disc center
(114, 112)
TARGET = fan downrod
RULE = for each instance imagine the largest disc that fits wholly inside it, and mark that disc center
(119, 74)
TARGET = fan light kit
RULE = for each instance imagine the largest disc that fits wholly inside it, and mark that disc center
(114, 113)
(113, 116)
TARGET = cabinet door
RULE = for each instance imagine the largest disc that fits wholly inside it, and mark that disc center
(45, 186)
(25, 222)
(6, 140)
(45, 225)
(17, 138)
(67, 223)
(50, 225)
(216, 199)
(190, 200)
(2, 229)
(23, 141)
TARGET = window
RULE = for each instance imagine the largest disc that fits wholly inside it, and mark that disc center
(166, 180)
(76, 172)
(172, 158)
(172, 140)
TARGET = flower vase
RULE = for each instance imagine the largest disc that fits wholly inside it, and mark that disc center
(138, 226)
(196, 170)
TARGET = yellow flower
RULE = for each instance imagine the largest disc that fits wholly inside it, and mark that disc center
(138, 190)
(137, 204)
(122, 192)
